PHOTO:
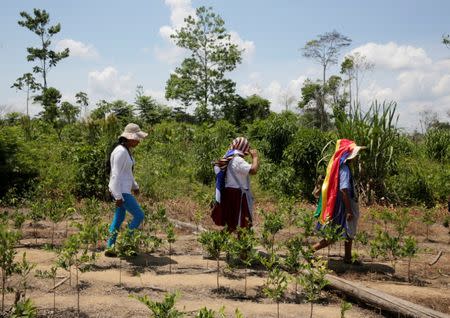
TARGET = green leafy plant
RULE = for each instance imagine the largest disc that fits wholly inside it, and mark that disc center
(409, 249)
(429, 218)
(24, 268)
(276, 286)
(162, 309)
(296, 251)
(50, 274)
(345, 306)
(19, 219)
(127, 245)
(313, 280)
(24, 309)
(331, 232)
(214, 242)
(8, 240)
(243, 249)
(170, 233)
(273, 223)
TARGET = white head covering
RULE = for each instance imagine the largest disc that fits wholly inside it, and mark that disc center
(133, 132)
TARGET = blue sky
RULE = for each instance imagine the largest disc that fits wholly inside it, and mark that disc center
(116, 45)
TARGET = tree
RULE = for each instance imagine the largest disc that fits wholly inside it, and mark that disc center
(27, 81)
(201, 77)
(149, 109)
(355, 65)
(69, 112)
(49, 99)
(82, 100)
(239, 110)
(46, 58)
(325, 50)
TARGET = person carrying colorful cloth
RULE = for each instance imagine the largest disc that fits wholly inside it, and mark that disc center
(234, 207)
(338, 201)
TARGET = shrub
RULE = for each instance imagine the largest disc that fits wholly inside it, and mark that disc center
(437, 144)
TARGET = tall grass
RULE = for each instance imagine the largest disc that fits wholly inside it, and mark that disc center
(376, 129)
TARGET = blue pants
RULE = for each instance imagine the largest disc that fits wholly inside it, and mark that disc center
(129, 204)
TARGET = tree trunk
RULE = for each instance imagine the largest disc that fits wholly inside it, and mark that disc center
(381, 300)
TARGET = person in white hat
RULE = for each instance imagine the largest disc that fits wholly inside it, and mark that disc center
(122, 184)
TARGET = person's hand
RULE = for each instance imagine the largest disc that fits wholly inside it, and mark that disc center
(136, 191)
(349, 216)
(253, 153)
(119, 203)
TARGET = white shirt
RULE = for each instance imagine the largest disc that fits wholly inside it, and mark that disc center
(241, 169)
(121, 179)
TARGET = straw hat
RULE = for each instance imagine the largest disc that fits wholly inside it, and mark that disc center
(133, 132)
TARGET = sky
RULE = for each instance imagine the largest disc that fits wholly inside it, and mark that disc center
(117, 45)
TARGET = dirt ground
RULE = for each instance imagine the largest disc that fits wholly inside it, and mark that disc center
(194, 277)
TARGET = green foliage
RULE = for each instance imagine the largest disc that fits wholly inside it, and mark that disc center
(17, 171)
(8, 240)
(276, 286)
(149, 109)
(209, 145)
(437, 144)
(45, 57)
(24, 309)
(24, 269)
(345, 306)
(215, 242)
(313, 280)
(274, 134)
(375, 129)
(128, 243)
(303, 153)
(273, 223)
(201, 77)
(163, 309)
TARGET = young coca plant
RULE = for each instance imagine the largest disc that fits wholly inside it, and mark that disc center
(402, 218)
(50, 274)
(409, 249)
(8, 240)
(127, 245)
(287, 208)
(24, 269)
(293, 263)
(243, 248)
(215, 242)
(307, 222)
(273, 223)
(24, 309)
(312, 279)
(361, 238)
(19, 219)
(74, 253)
(345, 306)
(429, 218)
(36, 215)
(386, 245)
(276, 286)
(163, 309)
(170, 233)
(331, 233)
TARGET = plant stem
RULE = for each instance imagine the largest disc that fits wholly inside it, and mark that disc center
(310, 316)
(78, 292)
(170, 257)
(120, 271)
(53, 234)
(278, 309)
(218, 266)
(409, 269)
(3, 289)
(54, 293)
(245, 277)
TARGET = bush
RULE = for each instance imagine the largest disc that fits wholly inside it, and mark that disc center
(437, 144)
(274, 134)
(17, 164)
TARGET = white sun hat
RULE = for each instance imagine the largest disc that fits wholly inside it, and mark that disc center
(133, 132)
(355, 152)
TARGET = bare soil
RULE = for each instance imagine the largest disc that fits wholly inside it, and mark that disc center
(194, 277)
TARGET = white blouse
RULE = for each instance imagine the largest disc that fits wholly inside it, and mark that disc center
(241, 169)
(121, 179)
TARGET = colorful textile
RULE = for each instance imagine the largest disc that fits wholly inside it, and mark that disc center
(330, 187)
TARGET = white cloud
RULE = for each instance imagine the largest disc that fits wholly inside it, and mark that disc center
(247, 46)
(108, 84)
(393, 56)
(78, 49)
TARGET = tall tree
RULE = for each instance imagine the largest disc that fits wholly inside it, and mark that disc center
(45, 57)
(69, 112)
(49, 99)
(149, 109)
(201, 77)
(82, 99)
(325, 50)
(28, 82)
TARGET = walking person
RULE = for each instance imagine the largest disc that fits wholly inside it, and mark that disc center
(236, 200)
(122, 184)
(338, 202)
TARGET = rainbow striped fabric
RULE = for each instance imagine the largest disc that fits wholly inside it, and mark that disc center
(330, 187)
